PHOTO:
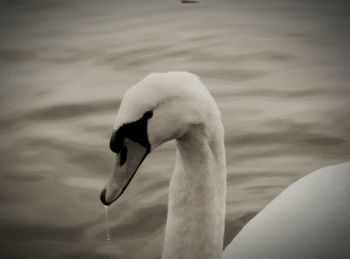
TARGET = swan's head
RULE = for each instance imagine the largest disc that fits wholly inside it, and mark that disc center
(159, 108)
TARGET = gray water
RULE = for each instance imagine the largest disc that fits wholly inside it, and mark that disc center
(279, 70)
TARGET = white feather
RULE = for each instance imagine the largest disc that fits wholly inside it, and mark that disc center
(311, 219)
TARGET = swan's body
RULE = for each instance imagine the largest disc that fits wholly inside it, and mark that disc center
(309, 220)
(176, 105)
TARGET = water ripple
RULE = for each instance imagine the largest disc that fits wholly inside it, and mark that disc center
(67, 111)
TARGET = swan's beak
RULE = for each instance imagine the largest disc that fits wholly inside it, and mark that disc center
(127, 162)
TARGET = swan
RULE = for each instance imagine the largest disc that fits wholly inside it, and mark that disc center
(176, 105)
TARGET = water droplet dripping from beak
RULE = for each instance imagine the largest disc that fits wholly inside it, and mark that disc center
(108, 234)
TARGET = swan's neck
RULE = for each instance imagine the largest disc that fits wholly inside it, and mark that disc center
(196, 212)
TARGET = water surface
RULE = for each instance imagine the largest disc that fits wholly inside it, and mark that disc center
(279, 71)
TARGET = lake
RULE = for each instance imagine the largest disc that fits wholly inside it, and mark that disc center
(278, 69)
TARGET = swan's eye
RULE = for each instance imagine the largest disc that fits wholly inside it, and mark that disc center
(148, 115)
(123, 156)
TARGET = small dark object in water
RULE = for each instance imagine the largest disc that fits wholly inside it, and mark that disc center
(189, 2)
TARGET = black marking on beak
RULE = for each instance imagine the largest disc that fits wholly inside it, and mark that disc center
(103, 198)
(129, 141)
(136, 131)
